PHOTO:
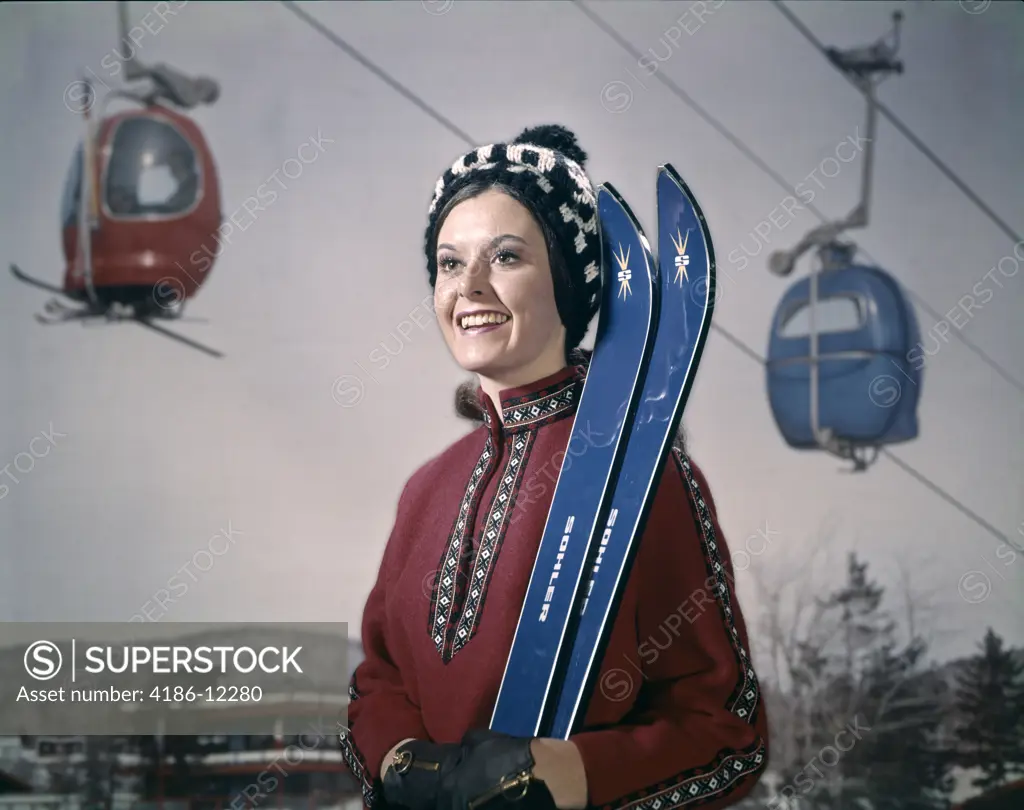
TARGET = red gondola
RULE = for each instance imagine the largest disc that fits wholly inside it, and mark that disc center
(146, 237)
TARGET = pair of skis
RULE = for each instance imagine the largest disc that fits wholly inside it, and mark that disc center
(653, 325)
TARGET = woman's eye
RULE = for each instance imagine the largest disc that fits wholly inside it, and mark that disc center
(447, 264)
(505, 257)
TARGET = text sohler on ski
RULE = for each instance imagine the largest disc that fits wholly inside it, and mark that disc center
(549, 595)
(601, 549)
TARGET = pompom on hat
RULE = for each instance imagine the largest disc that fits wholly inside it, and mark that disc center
(544, 165)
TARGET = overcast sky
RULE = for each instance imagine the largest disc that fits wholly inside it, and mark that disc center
(161, 449)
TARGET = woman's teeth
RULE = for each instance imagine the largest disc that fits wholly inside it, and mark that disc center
(469, 321)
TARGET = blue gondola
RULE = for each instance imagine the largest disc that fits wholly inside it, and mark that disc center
(868, 382)
(841, 372)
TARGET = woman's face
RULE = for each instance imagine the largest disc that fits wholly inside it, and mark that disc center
(494, 296)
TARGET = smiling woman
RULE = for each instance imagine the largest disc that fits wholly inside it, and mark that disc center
(494, 295)
(513, 253)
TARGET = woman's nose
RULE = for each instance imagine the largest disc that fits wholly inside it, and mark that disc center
(474, 280)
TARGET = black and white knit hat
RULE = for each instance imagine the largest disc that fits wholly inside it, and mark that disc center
(545, 166)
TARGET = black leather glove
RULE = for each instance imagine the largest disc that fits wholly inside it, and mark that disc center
(494, 771)
(416, 771)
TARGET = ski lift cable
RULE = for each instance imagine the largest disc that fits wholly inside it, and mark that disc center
(754, 158)
(739, 344)
(903, 465)
(922, 147)
(403, 91)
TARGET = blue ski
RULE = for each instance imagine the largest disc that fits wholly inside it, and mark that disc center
(583, 491)
(687, 291)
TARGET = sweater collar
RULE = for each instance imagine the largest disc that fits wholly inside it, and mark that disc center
(539, 403)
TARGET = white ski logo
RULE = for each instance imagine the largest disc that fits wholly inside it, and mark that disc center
(625, 274)
(558, 567)
(682, 260)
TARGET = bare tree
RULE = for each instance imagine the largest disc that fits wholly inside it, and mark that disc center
(838, 665)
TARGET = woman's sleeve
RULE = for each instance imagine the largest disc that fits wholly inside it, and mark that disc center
(380, 713)
(697, 734)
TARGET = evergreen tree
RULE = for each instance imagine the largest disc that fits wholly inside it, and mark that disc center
(990, 698)
(860, 676)
(903, 765)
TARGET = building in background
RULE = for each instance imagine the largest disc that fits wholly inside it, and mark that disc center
(195, 773)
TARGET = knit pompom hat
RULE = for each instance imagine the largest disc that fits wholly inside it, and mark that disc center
(545, 166)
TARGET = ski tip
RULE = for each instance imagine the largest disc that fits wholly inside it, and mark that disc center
(671, 184)
(606, 194)
(668, 171)
(608, 189)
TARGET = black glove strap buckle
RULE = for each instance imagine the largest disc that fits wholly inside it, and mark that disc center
(521, 781)
(403, 761)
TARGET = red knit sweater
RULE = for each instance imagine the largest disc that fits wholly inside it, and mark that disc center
(677, 719)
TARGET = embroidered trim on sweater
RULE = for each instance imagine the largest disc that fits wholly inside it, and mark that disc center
(745, 698)
(700, 785)
(494, 533)
(540, 407)
(353, 759)
(458, 597)
(449, 587)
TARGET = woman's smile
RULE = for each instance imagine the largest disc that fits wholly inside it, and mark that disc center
(480, 322)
